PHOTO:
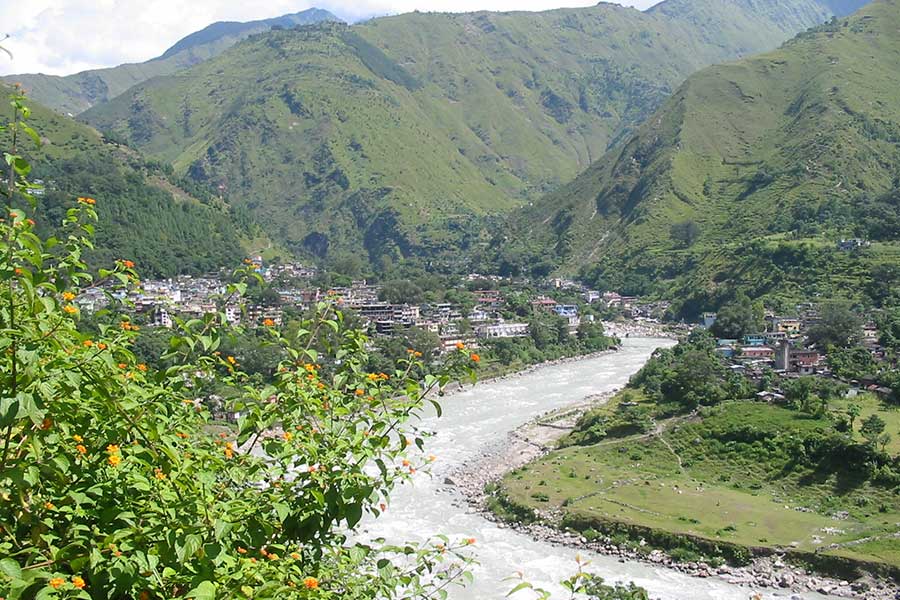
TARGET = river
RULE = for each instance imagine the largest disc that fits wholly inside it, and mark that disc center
(483, 415)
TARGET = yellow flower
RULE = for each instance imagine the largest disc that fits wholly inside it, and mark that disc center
(78, 438)
(57, 582)
(112, 449)
(68, 296)
(78, 582)
(114, 460)
(288, 436)
(69, 309)
(158, 473)
(231, 360)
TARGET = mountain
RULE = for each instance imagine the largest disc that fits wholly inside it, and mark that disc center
(392, 138)
(144, 214)
(74, 94)
(747, 178)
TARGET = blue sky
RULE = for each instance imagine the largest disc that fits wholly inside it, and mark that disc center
(61, 37)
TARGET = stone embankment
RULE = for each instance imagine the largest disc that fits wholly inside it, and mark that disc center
(538, 437)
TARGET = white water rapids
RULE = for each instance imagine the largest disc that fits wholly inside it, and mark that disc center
(485, 414)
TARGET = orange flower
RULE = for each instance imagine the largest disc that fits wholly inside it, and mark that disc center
(47, 424)
(269, 323)
(102, 346)
(418, 355)
(87, 343)
(372, 376)
(432, 458)
(405, 463)
(272, 556)
(114, 460)
(470, 541)
(49, 505)
(125, 325)
(57, 582)
(158, 473)
(142, 367)
(81, 449)
(231, 360)
(69, 309)
(360, 392)
(312, 468)
(288, 436)
(30, 222)
(112, 449)
(123, 366)
(88, 201)
(127, 264)
(78, 582)
(295, 556)
(241, 550)
(475, 358)
(311, 583)
(68, 296)
(460, 346)
(182, 435)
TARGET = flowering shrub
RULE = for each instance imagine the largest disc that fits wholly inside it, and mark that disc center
(115, 483)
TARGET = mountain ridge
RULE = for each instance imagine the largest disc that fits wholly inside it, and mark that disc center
(73, 94)
(748, 177)
(385, 139)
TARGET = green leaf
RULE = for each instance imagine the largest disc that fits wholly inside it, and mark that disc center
(10, 568)
(205, 591)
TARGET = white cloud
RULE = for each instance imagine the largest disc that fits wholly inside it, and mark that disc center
(60, 37)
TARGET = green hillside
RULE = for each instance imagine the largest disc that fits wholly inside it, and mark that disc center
(748, 177)
(384, 140)
(144, 216)
(76, 93)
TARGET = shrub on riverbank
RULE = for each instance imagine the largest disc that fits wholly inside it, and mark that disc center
(114, 485)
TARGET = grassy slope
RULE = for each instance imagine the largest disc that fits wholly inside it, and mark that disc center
(384, 139)
(740, 149)
(722, 491)
(143, 217)
(76, 93)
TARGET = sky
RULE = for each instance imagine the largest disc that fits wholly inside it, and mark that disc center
(61, 37)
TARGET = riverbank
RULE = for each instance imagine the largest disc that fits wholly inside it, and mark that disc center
(538, 437)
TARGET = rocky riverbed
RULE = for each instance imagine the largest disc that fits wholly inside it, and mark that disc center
(538, 437)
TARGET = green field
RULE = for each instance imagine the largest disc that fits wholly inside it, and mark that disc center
(723, 478)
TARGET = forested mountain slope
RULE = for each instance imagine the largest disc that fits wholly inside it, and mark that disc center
(384, 140)
(144, 216)
(749, 176)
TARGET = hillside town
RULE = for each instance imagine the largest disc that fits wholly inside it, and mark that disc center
(487, 312)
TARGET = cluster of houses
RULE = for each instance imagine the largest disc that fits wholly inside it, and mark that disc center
(783, 348)
(159, 302)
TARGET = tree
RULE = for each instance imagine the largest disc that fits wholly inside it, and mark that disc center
(738, 318)
(840, 327)
(401, 291)
(851, 363)
(685, 233)
(853, 412)
(872, 428)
